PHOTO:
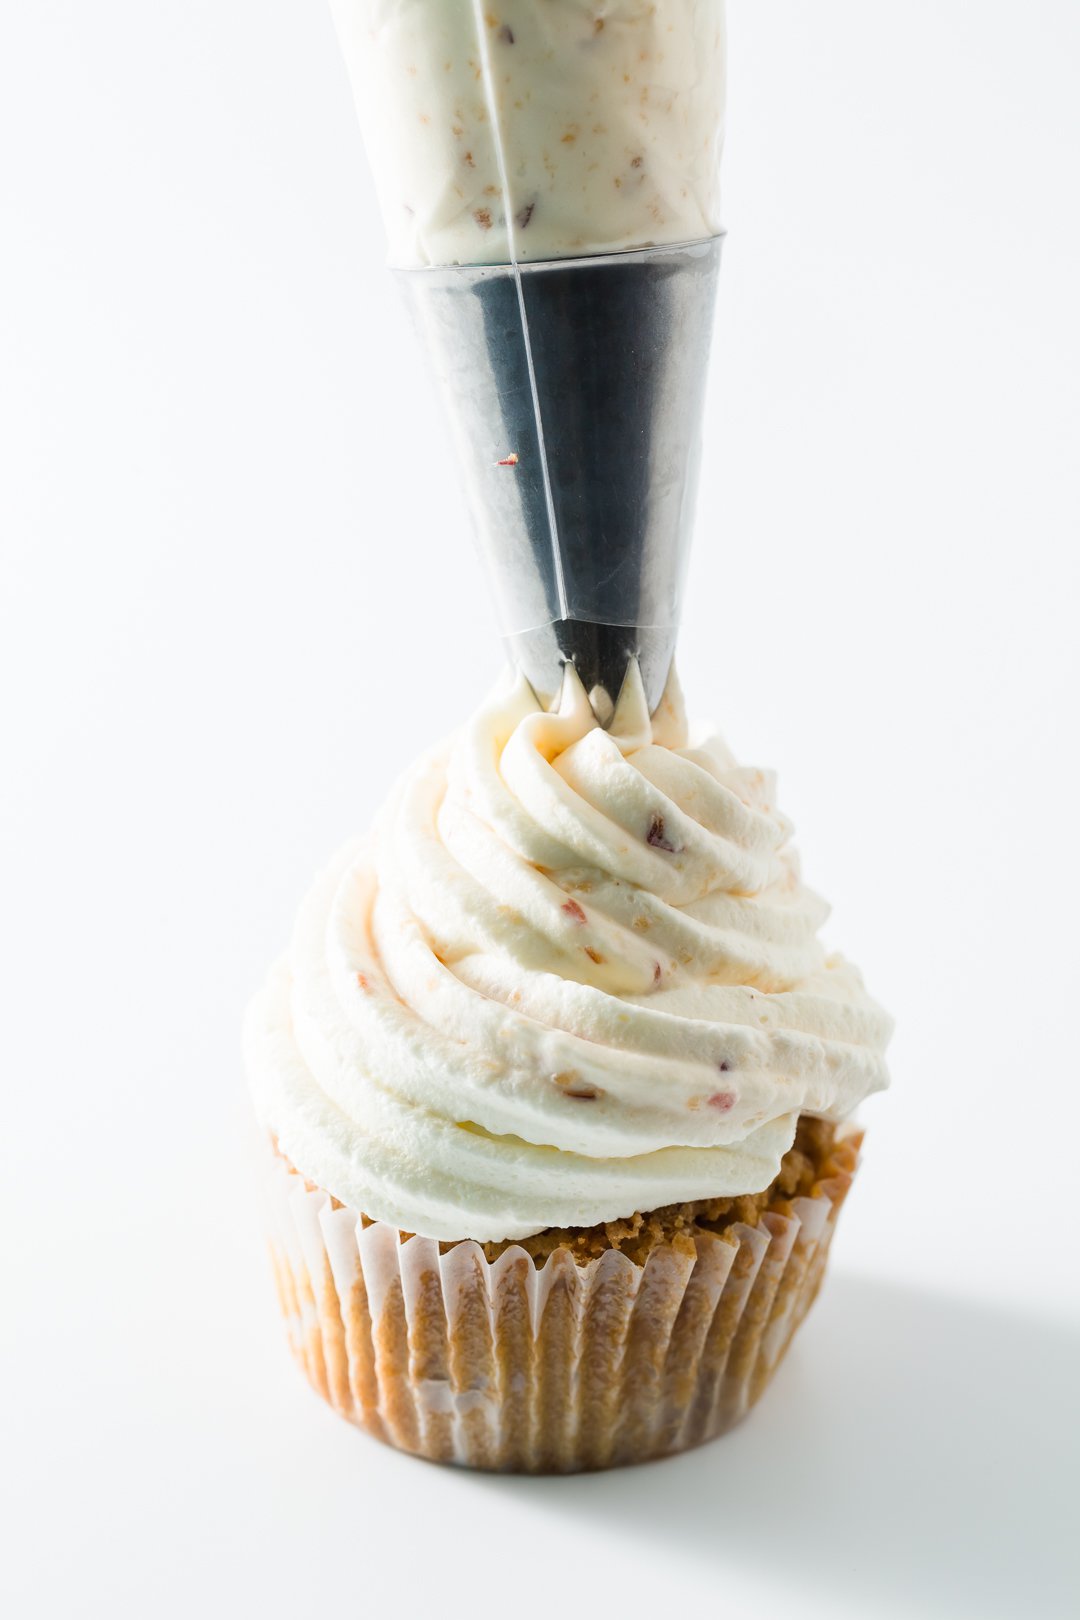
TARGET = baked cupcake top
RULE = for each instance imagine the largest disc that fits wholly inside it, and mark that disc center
(572, 974)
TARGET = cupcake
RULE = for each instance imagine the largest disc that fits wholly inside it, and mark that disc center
(556, 1086)
(556, 1082)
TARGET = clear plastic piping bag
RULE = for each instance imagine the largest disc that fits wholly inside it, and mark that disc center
(576, 141)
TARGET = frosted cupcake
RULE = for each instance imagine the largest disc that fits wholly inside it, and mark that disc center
(556, 1084)
(557, 1080)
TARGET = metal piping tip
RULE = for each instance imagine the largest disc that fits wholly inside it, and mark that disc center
(575, 392)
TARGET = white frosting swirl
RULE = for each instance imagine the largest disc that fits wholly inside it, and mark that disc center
(574, 974)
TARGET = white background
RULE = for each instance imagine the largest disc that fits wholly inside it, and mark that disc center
(239, 595)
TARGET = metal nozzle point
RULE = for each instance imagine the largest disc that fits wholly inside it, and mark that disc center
(575, 392)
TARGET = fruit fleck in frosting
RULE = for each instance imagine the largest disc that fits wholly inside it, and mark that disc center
(572, 974)
(538, 129)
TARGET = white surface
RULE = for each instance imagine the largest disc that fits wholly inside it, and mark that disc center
(221, 491)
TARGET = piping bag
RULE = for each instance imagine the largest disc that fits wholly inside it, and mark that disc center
(549, 174)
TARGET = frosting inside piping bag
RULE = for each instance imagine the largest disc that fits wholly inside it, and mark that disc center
(572, 973)
(538, 129)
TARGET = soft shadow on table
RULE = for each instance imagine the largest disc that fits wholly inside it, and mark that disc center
(914, 1452)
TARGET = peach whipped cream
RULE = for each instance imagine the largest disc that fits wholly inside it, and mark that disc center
(538, 129)
(572, 974)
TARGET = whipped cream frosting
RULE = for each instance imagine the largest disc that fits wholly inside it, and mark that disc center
(572, 974)
(538, 129)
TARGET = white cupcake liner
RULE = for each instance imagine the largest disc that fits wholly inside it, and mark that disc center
(549, 1368)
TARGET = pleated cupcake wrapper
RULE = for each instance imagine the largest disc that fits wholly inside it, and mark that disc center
(506, 1365)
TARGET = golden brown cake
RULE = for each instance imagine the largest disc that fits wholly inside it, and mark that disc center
(571, 1350)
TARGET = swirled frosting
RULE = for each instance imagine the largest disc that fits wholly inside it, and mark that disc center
(572, 974)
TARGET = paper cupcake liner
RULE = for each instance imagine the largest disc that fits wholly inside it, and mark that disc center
(556, 1368)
